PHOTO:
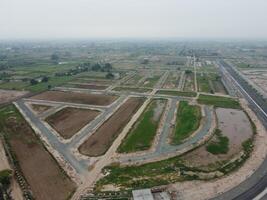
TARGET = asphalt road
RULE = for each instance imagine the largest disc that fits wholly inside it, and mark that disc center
(257, 182)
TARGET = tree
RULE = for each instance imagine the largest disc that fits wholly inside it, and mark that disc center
(109, 75)
(45, 79)
(54, 58)
(33, 82)
(188, 71)
(96, 67)
(107, 67)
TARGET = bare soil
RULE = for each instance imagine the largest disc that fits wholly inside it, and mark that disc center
(75, 97)
(69, 121)
(10, 95)
(39, 109)
(45, 177)
(101, 140)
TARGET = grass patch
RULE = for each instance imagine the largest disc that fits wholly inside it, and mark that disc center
(220, 146)
(203, 83)
(142, 134)
(177, 93)
(187, 121)
(139, 90)
(217, 101)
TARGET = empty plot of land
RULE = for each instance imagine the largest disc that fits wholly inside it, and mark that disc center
(43, 174)
(235, 125)
(89, 86)
(39, 109)
(189, 82)
(98, 143)
(143, 133)
(73, 97)
(10, 95)
(69, 121)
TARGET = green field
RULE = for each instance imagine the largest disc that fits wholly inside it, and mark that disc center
(130, 89)
(217, 101)
(220, 145)
(142, 134)
(151, 82)
(203, 83)
(177, 93)
(187, 121)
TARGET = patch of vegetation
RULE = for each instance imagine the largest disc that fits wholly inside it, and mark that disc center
(188, 120)
(177, 93)
(130, 89)
(220, 145)
(5, 176)
(151, 81)
(142, 134)
(147, 175)
(203, 83)
(217, 101)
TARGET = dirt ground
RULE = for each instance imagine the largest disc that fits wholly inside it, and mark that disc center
(236, 126)
(15, 189)
(39, 109)
(73, 97)
(90, 86)
(10, 95)
(69, 121)
(100, 141)
(45, 177)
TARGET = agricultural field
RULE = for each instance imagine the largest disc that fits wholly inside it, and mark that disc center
(73, 97)
(35, 163)
(69, 121)
(98, 143)
(187, 121)
(142, 134)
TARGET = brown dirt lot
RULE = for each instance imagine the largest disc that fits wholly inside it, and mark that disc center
(102, 139)
(43, 174)
(73, 97)
(10, 95)
(39, 109)
(69, 121)
(90, 86)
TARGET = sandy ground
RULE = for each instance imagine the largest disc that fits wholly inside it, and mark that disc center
(10, 95)
(200, 190)
(15, 189)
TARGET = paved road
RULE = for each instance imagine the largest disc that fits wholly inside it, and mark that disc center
(163, 148)
(80, 165)
(257, 182)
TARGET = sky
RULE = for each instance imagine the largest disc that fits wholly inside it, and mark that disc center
(36, 19)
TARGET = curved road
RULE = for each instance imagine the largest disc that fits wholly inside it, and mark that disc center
(257, 182)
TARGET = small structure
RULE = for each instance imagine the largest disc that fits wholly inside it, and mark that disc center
(144, 194)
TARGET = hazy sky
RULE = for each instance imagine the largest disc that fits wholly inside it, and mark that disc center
(133, 18)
